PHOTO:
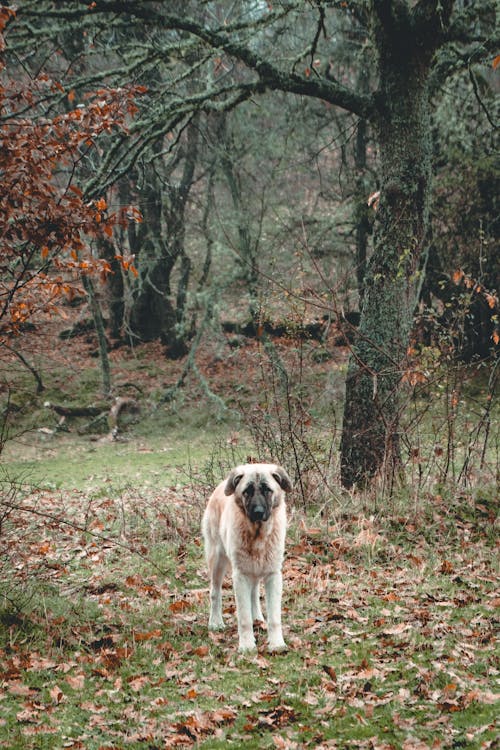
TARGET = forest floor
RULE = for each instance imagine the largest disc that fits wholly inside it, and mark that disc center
(390, 609)
(104, 642)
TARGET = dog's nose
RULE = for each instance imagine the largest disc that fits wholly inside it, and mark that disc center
(258, 513)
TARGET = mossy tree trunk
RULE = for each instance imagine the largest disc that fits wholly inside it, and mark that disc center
(160, 242)
(370, 435)
(361, 208)
(245, 246)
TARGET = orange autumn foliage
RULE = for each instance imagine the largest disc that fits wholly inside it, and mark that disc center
(47, 224)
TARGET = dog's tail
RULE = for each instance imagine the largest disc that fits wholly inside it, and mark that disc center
(210, 523)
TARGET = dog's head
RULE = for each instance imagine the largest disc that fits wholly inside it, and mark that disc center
(258, 489)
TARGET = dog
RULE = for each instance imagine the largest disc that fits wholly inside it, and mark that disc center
(244, 526)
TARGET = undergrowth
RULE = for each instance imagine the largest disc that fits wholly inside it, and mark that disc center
(390, 598)
(390, 622)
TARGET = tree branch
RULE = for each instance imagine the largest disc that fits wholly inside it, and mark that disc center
(479, 100)
(272, 77)
(224, 39)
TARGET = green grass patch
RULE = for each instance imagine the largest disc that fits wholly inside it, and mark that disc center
(78, 463)
(104, 641)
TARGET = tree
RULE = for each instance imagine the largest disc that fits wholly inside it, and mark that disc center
(160, 246)
(414, 46)
(47, 224)
(45, 220)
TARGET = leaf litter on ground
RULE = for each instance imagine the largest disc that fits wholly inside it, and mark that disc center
(105, 645)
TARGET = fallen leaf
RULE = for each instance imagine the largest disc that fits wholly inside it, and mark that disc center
(137, 683)
(56, 694)
(77, 682)
(147, 636)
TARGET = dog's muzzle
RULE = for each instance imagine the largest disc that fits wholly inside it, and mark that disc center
(258, 512)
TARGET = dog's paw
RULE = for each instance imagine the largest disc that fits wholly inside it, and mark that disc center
(247, 648)
(278, 647)
(216, 625)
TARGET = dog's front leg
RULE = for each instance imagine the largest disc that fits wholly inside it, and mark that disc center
(274, 586)
(256, 610)
(243, 594)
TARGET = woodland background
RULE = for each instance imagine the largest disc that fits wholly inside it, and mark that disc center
(221, 242)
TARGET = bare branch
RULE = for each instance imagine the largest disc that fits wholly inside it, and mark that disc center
(225, 39)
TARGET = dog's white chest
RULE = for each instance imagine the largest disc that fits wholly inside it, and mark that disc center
(260, 551)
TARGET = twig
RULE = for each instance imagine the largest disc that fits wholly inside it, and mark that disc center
(39, 384)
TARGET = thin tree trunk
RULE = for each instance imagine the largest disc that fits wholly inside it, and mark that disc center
(246, 248)
(114, 286)
(176, 335)
(101, 335)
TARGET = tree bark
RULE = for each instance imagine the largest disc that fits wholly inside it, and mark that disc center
(370, 435)
(361, 208)
(101, 334)
(160, 243)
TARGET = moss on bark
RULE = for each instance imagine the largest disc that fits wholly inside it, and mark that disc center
(370, 435)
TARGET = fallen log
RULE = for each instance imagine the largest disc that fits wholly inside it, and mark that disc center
(116, 414)
(76, 411)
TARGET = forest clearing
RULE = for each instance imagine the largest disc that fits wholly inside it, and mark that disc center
(240, 233)
(390, 606)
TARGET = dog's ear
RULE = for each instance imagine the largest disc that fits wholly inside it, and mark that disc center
(234, 477)
(283, 479)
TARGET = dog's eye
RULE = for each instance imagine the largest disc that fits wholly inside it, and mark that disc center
(249, 491)
(265, 489)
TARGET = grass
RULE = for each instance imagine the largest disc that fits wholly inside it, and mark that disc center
(104, 644)
(390, 605)
(159, 450)
(80, 464)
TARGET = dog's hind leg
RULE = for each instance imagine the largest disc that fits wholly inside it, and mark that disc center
(217, 566)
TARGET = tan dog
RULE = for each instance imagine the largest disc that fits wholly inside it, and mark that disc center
(244, 525)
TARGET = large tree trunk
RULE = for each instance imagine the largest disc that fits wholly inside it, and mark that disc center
(160, 243)
(370, 435)
(152, 310)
